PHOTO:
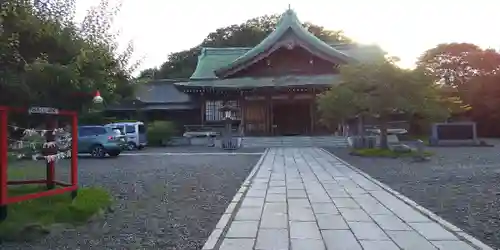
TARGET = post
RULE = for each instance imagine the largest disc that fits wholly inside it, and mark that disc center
(3, 163)
(203, 109)
(51, 125)
(74, 154)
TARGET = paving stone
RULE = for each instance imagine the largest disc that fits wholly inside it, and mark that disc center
(367, 231)
(245, 213)
(319, 198)
(243, 229)
(324, 208)
(223, 221)
(258, 186)
(390, 222)
(275, 207)
(274, 220)
(276, 198)
(240, 244)
(354, 214)
(259, 193)
(338, 194)
(296, 194)
(345, 202)
(410, 240)
(272, 239)
(299, 203)
(452, 245)
(276, 183)
(307, 244)
(355, 190)
(304, 230)
(375, 208)
(276, 190)
(252, 202)
(378, 245)
(340, 240)
(433, 231)
(330, 221)
(301, 214)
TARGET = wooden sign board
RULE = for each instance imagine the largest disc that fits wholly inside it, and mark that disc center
(43, 110)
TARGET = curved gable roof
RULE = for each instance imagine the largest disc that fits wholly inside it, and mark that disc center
(288, 23)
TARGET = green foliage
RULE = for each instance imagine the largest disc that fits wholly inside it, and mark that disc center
(46, 59)
(182, 64)
(47, 211)
(94, 118)
(471, 74)
(380, 89)
(386, 153)
(160, 132)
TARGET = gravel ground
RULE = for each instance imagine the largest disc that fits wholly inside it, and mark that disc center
(459, 184)
(162, 202)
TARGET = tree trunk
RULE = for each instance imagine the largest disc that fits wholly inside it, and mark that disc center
(383, 133)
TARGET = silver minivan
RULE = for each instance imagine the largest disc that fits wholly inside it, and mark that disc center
(135, 133)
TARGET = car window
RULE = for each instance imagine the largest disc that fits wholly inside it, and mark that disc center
(99, 130)
(130, 129)
(142, 128)
(84, 131)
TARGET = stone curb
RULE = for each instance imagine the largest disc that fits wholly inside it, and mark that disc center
(215, 239)
(477, 244)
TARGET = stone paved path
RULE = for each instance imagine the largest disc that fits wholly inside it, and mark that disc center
(305, 198)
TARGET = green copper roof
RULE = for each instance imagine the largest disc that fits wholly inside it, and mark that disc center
(251, 82)
(211, 59)
(288, 27)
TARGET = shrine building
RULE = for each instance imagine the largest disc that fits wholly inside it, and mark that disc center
(274, 84)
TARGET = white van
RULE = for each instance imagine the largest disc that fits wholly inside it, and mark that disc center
(135, 132)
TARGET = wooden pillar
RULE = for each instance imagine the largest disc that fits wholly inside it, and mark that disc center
(203, 108)
(313, 112)
(272, 116)
(243, 111)
(268, 113)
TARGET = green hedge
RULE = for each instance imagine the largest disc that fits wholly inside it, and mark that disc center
(160, 132)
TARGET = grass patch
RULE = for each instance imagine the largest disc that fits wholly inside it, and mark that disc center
(31, 219)
(378, 152)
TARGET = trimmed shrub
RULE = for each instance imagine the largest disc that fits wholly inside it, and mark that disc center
(160, 132)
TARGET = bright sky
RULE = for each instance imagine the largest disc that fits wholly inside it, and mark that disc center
(404, 28)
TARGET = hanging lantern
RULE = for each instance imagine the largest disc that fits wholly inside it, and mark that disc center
(97, 97)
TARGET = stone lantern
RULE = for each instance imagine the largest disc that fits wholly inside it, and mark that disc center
(227, 134)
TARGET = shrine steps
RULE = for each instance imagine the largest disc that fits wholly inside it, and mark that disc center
(295, 141)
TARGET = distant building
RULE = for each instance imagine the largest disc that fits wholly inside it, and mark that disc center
(274, 84)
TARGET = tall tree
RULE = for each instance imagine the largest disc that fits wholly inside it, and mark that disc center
(252, 32)
(46, 58)
(473, 73)
(380, 90)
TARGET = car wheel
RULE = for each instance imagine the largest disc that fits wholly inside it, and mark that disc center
(114, 153)
(131, 146)
(98, 152)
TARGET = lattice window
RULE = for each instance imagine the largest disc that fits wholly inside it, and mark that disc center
(213, 113)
